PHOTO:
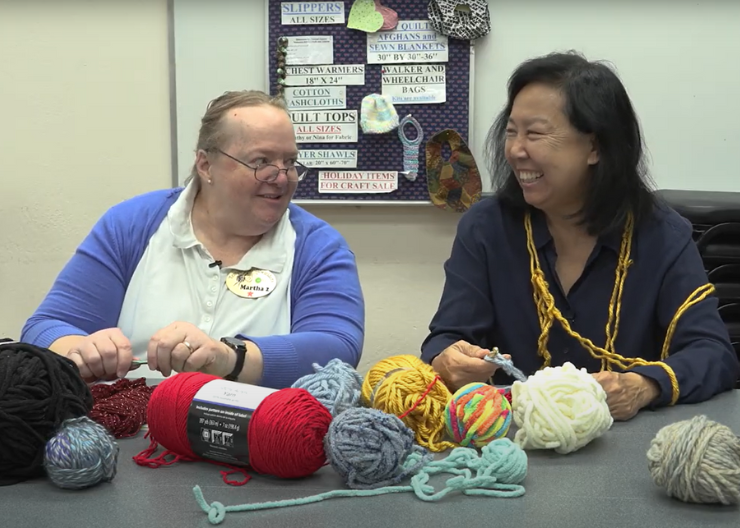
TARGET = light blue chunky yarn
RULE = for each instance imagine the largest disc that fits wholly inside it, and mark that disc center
(81, 455)
(507, 365)
(337, 386)
(497, 472)
(369, 448)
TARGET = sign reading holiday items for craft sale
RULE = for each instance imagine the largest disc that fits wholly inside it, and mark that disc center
(325, 126)
(358, 182)
(337, 74)
(311, 13)
(411, 41)
(415, 83)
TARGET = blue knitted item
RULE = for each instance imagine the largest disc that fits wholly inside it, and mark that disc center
(337, 386)
(410, 147)
(497, 472)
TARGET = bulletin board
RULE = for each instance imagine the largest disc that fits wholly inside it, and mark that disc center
(374, 152)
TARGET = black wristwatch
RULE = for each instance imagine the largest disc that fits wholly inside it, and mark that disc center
(241, 354)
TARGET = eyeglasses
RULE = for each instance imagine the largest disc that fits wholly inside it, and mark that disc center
(268, 173)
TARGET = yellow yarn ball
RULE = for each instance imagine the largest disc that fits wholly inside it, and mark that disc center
(395, 384)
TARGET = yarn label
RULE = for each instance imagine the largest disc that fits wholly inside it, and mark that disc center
(219, 417)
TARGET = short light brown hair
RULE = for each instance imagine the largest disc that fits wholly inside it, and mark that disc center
(212, 131)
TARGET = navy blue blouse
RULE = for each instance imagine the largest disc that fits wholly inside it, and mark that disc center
(488, 300)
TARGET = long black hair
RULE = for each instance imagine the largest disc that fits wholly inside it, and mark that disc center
(597, 103)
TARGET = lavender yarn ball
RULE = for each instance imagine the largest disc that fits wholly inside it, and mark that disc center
(82, 454)
(370, 449)
(337, 386)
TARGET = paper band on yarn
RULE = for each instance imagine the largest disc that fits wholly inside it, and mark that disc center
(219, 417)
(381, 380)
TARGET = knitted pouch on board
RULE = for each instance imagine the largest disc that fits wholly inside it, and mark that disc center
(453, 184)
(466, 20)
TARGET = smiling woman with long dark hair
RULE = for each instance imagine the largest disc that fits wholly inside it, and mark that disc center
(575, 259)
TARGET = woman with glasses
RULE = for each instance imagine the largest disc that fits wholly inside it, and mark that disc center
(224, 276)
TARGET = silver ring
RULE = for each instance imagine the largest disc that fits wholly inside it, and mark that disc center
(188, 345)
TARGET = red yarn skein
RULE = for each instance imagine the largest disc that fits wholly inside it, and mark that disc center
(285, 434)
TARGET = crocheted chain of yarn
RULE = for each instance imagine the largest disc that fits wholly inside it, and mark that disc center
(497, 472)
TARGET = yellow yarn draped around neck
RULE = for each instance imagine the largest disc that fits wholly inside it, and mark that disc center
(548, 313)
(409, 388)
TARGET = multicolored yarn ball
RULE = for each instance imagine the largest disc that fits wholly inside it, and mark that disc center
(369, 449)
(285, 434)
(337, 385)
(477, 414)
(410, 389)
(82, 454)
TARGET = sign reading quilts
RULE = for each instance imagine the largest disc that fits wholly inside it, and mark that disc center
(374, 87)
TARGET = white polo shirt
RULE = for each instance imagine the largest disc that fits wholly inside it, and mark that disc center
(173, 282)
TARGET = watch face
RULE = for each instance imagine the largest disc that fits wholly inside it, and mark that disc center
(233, 343)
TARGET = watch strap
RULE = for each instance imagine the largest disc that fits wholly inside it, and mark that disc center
(240, 349)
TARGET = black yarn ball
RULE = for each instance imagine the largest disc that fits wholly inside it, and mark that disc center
(38, 391)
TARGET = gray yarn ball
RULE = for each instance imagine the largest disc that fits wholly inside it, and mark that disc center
(82, 454)
(369, 448)
(337, 385)
(697, 461)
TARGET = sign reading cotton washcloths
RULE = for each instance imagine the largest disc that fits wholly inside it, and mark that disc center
(325, 97)
(358, 182)
(326, 126)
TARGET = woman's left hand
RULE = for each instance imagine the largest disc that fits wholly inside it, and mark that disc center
(626, 393)
(183, 347)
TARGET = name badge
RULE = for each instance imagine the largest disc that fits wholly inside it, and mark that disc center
(251, 284)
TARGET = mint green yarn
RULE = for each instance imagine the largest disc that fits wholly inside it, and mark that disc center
(498, 472)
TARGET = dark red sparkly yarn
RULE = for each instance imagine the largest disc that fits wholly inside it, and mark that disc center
(121, 407)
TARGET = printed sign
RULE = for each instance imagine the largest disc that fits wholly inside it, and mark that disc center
(311, 13)
(415, 83)
(310, 50)
(411, 41)
(324, 97)
(337, 74)
(358, 182)
(337, 159)
(326, 126)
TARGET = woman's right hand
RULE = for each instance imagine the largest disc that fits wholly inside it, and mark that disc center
(462, 363)
(104, 355)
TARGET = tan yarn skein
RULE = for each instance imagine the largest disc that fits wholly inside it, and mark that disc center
(697, 461)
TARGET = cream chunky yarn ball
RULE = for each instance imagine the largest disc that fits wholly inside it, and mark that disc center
(560, 408)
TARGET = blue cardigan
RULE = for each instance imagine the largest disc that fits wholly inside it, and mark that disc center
(327, 307)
